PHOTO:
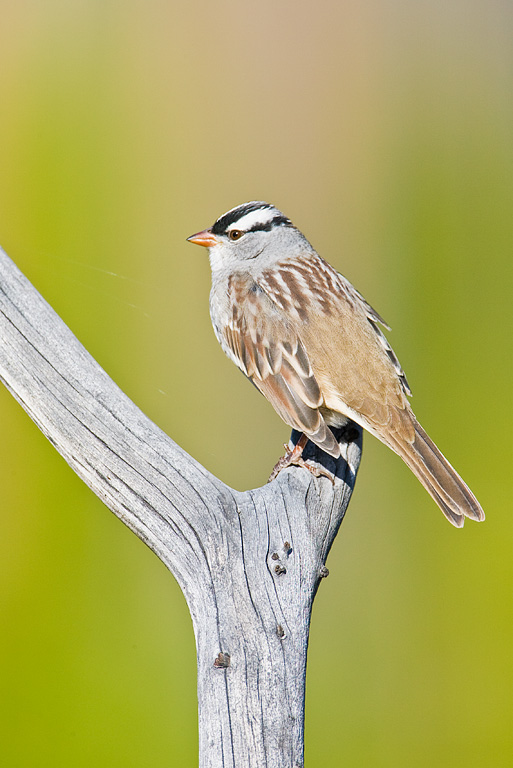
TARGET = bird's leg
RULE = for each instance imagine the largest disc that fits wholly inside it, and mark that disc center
(294, 457)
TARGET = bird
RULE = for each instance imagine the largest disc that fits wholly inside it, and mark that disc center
(313, 346)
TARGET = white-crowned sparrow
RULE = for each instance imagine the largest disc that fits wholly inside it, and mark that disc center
(311, 344)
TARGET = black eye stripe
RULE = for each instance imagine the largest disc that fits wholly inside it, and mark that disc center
(276, 222)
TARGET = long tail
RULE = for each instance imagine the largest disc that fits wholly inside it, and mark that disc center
(452, 495)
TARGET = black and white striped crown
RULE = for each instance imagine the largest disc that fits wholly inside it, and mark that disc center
(256, 216)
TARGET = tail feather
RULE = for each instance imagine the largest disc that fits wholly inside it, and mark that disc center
(439, 478)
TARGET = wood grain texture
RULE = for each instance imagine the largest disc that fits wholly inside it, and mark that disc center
(249, 563)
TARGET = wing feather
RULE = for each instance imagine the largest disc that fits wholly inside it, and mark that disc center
(269, 351)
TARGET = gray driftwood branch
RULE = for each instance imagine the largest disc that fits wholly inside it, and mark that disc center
(248, 563)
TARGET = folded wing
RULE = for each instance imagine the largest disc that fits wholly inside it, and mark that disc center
(268, 350)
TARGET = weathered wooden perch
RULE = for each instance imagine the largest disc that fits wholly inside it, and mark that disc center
(248, 563)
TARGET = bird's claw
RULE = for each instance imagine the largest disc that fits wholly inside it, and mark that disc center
(294, 458)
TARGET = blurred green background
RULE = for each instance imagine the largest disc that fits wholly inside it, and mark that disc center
(385, 131)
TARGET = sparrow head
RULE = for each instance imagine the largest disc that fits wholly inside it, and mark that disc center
(245, 233)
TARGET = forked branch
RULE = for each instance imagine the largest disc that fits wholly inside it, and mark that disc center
(248, 563)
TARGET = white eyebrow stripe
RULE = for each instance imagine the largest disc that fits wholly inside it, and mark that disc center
(262, 216)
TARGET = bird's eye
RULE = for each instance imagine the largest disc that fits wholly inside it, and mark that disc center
(235, 234)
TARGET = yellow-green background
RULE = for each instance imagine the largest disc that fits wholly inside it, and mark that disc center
(385, 131)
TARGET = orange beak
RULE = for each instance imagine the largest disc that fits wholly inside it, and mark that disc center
(205, 238)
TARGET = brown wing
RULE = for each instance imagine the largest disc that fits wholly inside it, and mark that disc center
(357, 373)
(269, 351)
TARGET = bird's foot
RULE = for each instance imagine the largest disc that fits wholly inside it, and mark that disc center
(294, 458)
